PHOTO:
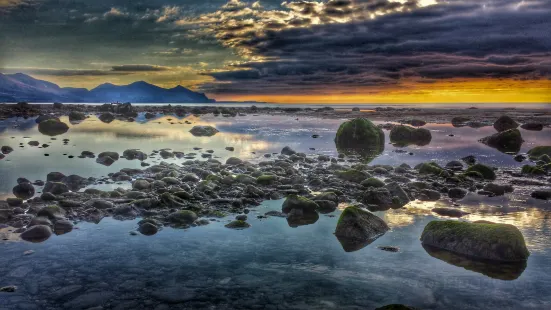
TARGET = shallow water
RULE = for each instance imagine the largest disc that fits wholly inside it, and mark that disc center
(270, 265)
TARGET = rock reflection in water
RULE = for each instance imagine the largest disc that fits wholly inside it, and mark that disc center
(353, 245)
(496, 270)
(300, 217)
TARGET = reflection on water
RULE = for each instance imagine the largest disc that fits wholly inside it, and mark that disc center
(267, 265)
(501, 271)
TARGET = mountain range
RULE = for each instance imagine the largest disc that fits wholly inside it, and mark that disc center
(19, 87)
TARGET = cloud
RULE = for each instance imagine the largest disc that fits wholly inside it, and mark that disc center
(61, 72)
(347, 45)
(139, 68)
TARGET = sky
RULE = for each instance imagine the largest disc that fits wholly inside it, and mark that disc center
(336, 51)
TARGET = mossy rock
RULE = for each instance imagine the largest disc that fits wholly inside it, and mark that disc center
(486, 172)
(245, 179)
(505, 123)
(405, 135)
(352, 175)
(52, 212)
(508, 141)
(213, 177)
(473, 174)
(360, 225)
(183, 217)
(539, 151)
(432, 168)
(373, 182)
(534, 170)
(298, 202)
(237, 225)
(545, 158)
(481, 240)
(266, 179)
(52, 127)
(360, 136)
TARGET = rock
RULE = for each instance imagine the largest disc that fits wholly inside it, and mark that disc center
(396, 307)
(454, 165)
(233, 161)
(486, 172)
(105, 160)
(148, 229)
(55, 177)
(37, 233)
(432, 168)
(541, 194)
(505, 123)
(132, 154)
(14, 202)
(539, 151)
(6, 149)
(298, 202)
(62, 226)
(532, 170)
(106, 117)
(245, 179)
(469, 160)
(113, 155)
(457, 193)
(532, 126)
(266, 179)
(429, 195)
(355, 109)
(415, 122)
(8, 289)
(352, 175)
(508, 141)
(52, 127)
(75, 116)
(203, 131)
(237, 224)
(482, 240)
(230, 148)
(498, 189)
(399, 197)
(23, 190)
(166, 154)
(451, 212)
(405, 135)
(56, 188)
(378, 197)
(140, 184)
(87, 154)
(389, 248)
(288, 151)
(52, 212)
(355, 224)
(241, 217)
(58, 105)
(182, 217)
(360, 136)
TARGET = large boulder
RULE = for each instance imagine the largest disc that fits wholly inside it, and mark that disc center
(486, 172)
(508, 141)
(405, 135)
(481, 240)
(52, 127)
(505, 123)
(45, 117)
(203, 131)
(361, 136)
(132, 154)
(358, 227)
(106, 117)
(75, 116)
(182, 217)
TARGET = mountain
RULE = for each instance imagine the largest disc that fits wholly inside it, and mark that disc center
(21, 87)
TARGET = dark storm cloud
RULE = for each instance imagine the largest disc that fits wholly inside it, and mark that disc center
(455, 39)
(61, 72)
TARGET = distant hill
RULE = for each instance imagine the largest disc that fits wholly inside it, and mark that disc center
(21, 87)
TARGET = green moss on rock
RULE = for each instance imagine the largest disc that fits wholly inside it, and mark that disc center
(237, 225)
(373, 182)
(360, 136)
(352, 175)
(52, 127)
(539, 151)
(431, 168)
(298, 202)
(534, 170)
(508, 141)
(358, 224)
(483, 240)
(486, 172)
(266, 179)
(405, 135)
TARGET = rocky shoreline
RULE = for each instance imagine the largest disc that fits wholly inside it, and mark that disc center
(200, 191)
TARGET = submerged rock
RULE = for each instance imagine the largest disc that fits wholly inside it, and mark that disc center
(532, 126)
(132, 154)
(505, 123)
(203, 131)
(483, 240)
(238, 224)
(405, 135)
(356, 227)
(508, 141)
(52, 127)
(451, 212)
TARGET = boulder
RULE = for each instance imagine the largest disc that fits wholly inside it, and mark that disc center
(23, 190)
(132, 154)
(372, 182)
(37, 233)
(360, 136)
(106, 117)
(539, 151)
(505, 123)
(541, 194)
(233, 161)
(356, 224)
(148, 229)
(457, 193)
(75, 116)
(451, 212)
(203, 131)
(52, 212)
(42, 118)
(352, 175)
(498, 189)
(405, 135)
(532, 126)
(6, 149)
(486, 172)
(62, 226)
(508, 141)
(238, 224)
(288, 151)
(185, 217)
(56, 188)
(52, 127)
(298, 202)
(455, 165)
(482, 240)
